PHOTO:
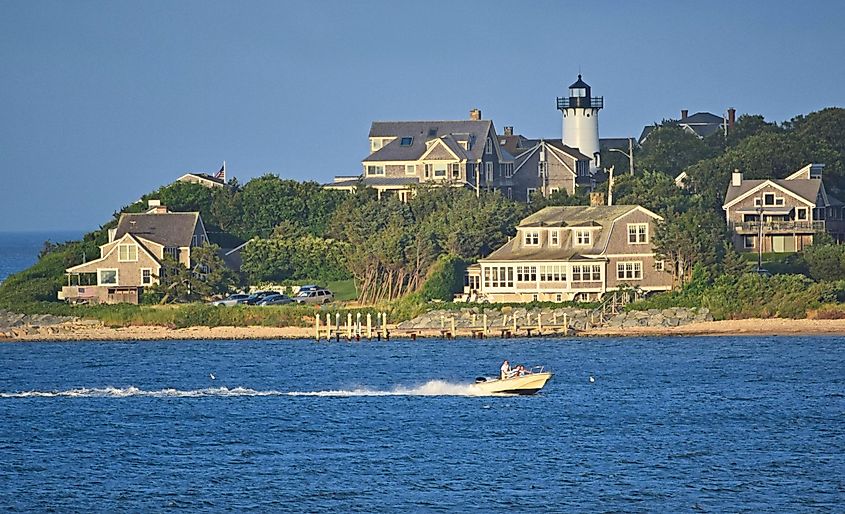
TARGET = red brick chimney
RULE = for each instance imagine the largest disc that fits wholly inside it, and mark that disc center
(475, 114)
(684, 113)
(731, 118)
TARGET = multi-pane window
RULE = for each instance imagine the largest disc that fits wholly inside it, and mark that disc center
(532, 239)
(375, 170)
(526, 273)
(127, 253)
(529, 192)
(498, 276)
(583, 237)
(508, 167)
(638, 233)
(428, 168)
(146, 277)
(629, 270)
(172, 252)
(748, 241)
(659, 266)
(586, 273)
(553, 273)
(456, 170)
(488, 171)
(543, 169)
(488, 147)
(554, 237)
(410, 169)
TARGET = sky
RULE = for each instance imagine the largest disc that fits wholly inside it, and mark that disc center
(104, 101)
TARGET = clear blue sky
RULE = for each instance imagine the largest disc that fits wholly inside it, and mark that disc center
(104, 101)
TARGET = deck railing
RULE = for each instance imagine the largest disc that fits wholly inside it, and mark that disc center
(753, 227)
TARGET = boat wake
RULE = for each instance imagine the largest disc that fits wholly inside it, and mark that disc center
(431, 388)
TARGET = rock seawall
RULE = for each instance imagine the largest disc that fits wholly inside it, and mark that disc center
(578, 319)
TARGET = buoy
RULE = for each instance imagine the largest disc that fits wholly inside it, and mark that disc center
(211, 376)
(592, 380)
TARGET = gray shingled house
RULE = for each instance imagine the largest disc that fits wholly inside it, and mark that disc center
(132, 258)
(542, 167)
(406, 154)
(572, 253)
(792, 211)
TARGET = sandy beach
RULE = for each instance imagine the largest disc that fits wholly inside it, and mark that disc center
(94, 332)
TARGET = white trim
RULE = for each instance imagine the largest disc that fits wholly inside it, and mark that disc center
(634, 265)
(758, 187)
(142, 270)
(637, 233)
(128, 252)
(432, 144)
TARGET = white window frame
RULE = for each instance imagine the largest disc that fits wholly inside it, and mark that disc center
(659, 265)
(488, 171)
(508, 169)
(150, 282)
(774, 199)
(128, 247)
(799, 210)
(586, 273)
(488, 147)
(553, 190)
(554, 237)
(410, 169)
(455, 170)
(629, 270)
(440, 172)
(374, 170)
(428, 168)
(532, 238)
(582, 237)
(528, 192)
(635, 235)
(748, 242)
(100, 277)
(510, 193)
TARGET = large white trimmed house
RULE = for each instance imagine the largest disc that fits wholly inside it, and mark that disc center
(132, 258)
(573, 253)
(792, 211)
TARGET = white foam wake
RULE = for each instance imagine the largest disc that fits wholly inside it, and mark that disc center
(431, 388)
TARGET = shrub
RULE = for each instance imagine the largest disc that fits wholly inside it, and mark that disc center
(445, 278)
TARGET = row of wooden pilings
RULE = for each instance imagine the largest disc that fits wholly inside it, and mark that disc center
(510, 325)
(352, 330)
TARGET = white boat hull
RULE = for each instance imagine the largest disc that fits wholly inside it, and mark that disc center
(526, 384)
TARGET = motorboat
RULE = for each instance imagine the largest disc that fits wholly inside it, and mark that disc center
(523, 382)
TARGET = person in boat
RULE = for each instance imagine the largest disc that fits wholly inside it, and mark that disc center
(520, 370)
(505, 370)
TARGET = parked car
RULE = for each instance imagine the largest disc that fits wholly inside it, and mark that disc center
(317, 295)
(276, 299)
(257, 297)
(231, 300)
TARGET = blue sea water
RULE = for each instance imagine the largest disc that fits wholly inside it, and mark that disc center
(19, 250)
(718, 424)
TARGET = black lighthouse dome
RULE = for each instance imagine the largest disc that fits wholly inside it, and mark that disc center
(579, 89)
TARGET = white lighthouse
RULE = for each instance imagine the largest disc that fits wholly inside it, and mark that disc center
(581, 121)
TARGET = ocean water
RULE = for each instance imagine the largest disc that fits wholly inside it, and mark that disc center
(719, 424)
(19, 250)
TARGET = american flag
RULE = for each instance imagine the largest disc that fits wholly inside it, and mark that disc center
(222, 173)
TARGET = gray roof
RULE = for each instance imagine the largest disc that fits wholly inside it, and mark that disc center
(807, 189)
(701, 118)
(600, 216)
(703, 130)
(171, 229)
(606, 143)
(474, 131)
(517, 145)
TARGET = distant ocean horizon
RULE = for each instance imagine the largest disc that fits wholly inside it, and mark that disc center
(19, 250)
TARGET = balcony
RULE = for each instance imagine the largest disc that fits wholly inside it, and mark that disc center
(596, 102)
(778, 227)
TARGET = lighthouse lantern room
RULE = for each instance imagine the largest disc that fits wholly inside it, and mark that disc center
(581, 121)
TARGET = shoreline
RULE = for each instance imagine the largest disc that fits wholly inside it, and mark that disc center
(744, 327)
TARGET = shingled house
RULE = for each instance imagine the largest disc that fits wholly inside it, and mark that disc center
(132, 258)
(573, 253)
(406, 154)
(792, 211)
(541, 167)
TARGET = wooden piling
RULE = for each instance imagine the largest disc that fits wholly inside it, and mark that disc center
(369, 326)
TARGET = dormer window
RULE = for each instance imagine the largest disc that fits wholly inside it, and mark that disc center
(406, 141)
(583, 238)
(554, 238)
(532, 238)
(432, 132)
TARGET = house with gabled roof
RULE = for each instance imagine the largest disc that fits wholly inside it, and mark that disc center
(541, 167)
(781, 215)
(133, 257)
(700, 124)
(573, 253)
(407, 154)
